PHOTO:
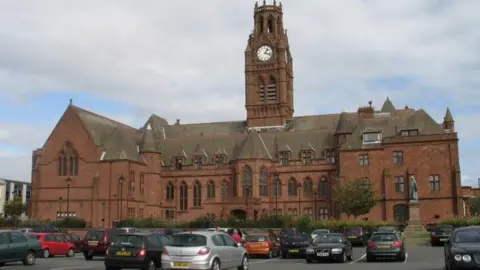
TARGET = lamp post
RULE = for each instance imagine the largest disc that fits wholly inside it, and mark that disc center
(60, 200)
(247, 194)
(69, 181)
(103, 214)
(121, 180)
(299, 193)
(315, 194)
(276, 183)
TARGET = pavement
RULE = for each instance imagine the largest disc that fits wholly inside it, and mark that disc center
(421, 258)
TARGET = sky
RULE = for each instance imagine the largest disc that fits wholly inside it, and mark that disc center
(185, 59)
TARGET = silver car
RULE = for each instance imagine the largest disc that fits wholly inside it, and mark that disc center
(204, 250)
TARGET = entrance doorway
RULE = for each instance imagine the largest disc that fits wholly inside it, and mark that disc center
(238, 214)
(401, 213)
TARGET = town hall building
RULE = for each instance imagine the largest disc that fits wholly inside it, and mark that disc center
(273, 161)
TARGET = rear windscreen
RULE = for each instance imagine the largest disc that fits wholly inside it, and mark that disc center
(128, 240)
(386, 229)
(354, 230)
(95, 235)
(188, 240)
(298, 237)
(256, 238)
(384, 237)
(443, 229)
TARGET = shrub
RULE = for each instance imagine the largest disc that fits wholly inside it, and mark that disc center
(70, 222)
(461, 221)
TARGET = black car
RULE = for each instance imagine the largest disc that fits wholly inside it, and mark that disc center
(329, 246)
(440, 234)
(356, 235)
(386, 245)
(462, 249)
(137, 250)
(295, 244)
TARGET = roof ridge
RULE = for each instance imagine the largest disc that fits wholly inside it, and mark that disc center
(104, 117)
(204, 123)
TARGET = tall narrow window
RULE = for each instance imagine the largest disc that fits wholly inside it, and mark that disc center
(292, 187)
(263, 183)
(260, 24)
(276, 186)
(261, 93)
(170, 191)
(272, 89)
(224, 190)
(62, 164)
(247, 182)
(434, 182)
(197, 194)
(323, 187)
(234, 184)
(183, 197)
(211, 190)
(399, 184)
(142, 183)
(270, 25)
(73, 163)
(308, 186)
(131, 184)
(178, 162)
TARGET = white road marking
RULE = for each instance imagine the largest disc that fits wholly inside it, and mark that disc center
(359, 259)
(406, 257)
(255, 262)
(68, 268)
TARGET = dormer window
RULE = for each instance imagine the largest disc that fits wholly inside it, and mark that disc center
(284, 157)
(330, 156)
(198, 161)
(220, 161)
(179, 162)
(372, 137)
(410, 132)
(306, 157)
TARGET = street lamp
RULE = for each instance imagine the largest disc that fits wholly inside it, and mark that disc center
(103, 214)
(60, 200)
(247, 195)
(69, 181)
(299, 193)
(121, 180)
(315, 194)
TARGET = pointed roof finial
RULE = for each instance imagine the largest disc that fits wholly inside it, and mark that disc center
(256, 4)
(71, 101)
(264, 2)
(448, 116)
(274, 2)
(280, 4)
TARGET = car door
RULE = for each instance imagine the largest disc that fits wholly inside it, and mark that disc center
(49, 242)
(18, 245)
(5, 254)
(220, 249)
(232, 250)
(62, 244)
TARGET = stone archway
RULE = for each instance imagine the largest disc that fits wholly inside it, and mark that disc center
(401, 213)
(238, 214)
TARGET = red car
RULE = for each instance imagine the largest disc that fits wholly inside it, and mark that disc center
(97, 241)
(55, 244)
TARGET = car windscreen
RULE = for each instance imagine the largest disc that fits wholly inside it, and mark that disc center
(320, 231)
(298, 237)
(328, 238)
(386, 229)
(443, 229)
(384, 237)
(95, 235)
(256, 238)
(471, 236)
(353, 231)
(188, 240)
(128, 241)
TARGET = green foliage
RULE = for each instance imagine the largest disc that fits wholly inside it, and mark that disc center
(70, 222)
(15, 207)
(475, 206)
(355, 198)
(461, 221)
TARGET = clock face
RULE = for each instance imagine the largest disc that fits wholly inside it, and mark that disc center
(264, 53)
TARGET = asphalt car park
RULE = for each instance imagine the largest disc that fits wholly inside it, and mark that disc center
(421, 258)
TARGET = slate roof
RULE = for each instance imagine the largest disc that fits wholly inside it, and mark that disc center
(234, 140)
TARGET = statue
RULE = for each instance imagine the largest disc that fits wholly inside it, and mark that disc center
(413, 189)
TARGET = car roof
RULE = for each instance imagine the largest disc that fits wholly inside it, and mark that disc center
(469, 228)
(138, 234)
(259, 234)
(204, 233)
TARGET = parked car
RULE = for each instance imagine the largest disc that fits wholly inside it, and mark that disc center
(204, 250)
(54, 244)
(319, 231)
(386, 245)
(462, 249)
(440, 234)
(295, 245)
(137, 250)
(25, 230)
(387, 229)
(96, 242)
(75, 240)
(329, 246)
(16, 247)
(356, 235)
(262, 244)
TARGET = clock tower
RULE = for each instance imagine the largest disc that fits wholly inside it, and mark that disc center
(268, 70)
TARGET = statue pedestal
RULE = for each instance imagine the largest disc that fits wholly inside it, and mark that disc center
(414, 222)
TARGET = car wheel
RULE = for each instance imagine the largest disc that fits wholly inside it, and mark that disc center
(151, 265)
(350, 255)
(88, 257)
(370, 258)
(402, 257)
(46, 253)
(432, 243)
(284, 256)
(29, 258)
(270, 254)
(71, 253)
(215, 265)
(309, 260)
(244, 265)
(344, 257)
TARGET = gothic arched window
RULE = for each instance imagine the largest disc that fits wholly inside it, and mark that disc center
(247, 182)
(276, 186)
(73, 163)
(263, 183)
(62, 164)
(170, 191)
(272, 89)
(224, 189)
(307, 186)
(211, 190)
(292, 187)
(197, 194)
(183, 196)
(323, 187)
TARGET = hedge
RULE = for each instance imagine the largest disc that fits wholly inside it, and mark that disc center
(461, 221)
(71, 222)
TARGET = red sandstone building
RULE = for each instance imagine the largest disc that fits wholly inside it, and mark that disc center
(271, 162)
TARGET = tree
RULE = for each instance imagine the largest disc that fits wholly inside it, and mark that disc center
(15, 207)
(474, 206)
(355, 198)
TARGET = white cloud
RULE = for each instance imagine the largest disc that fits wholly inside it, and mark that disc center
(185, 59)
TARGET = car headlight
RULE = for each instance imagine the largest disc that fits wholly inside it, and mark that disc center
(337, 250)
(467, 258)
(458, 257)
(310, 250)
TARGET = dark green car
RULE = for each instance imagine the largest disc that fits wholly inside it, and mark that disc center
(16, 247)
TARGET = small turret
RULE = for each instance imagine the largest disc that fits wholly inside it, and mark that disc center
(448, 122)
